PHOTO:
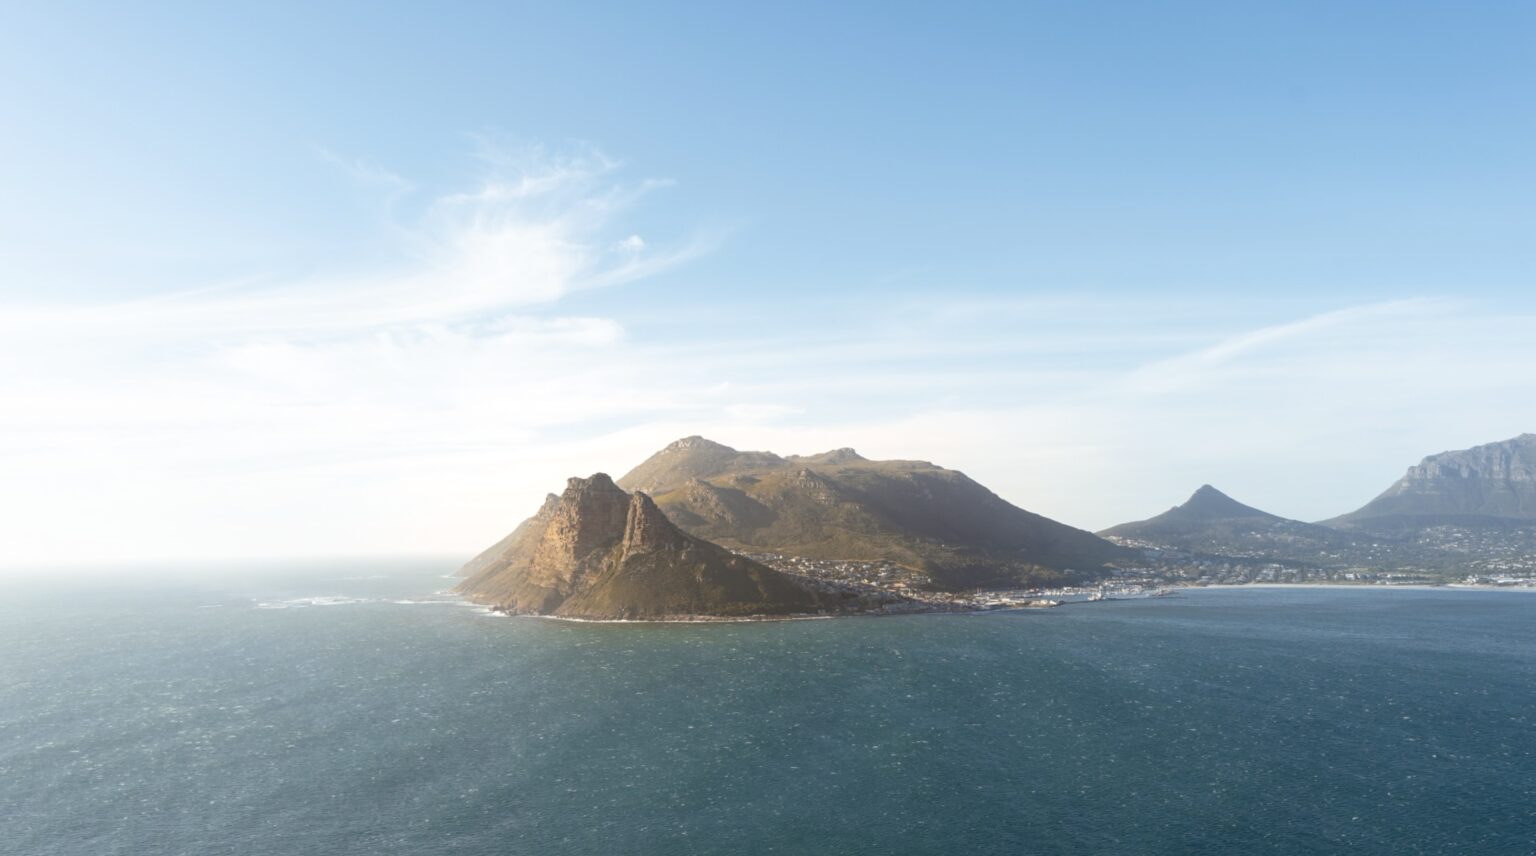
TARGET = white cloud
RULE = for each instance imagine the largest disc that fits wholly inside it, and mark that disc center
(428, 408)
(230, 420)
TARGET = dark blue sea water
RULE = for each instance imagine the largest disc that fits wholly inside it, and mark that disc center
(229, 712)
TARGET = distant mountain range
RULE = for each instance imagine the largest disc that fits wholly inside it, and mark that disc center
(1432, 518)
(1489, 485)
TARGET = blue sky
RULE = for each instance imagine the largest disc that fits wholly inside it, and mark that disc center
(372, 278)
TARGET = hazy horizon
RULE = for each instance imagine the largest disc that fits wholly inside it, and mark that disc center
(264, 292)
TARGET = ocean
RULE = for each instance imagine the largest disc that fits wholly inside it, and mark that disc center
(344, 708)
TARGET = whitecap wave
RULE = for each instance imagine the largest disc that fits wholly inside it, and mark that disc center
(322, 600)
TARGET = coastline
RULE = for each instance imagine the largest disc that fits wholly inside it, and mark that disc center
(756, 619)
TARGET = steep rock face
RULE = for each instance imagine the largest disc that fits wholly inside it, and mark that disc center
(1495, 482)
(590, 517)
(839, 505)
(647, 530)
(604, 554)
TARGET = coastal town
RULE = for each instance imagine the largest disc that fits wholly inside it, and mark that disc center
(886, 587)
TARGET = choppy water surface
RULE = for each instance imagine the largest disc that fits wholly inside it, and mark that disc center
(346, 710)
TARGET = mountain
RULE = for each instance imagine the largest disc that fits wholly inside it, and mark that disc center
(840, 506)
(597, 552)
(1212, 523)
(1486, 484)
(1493, 484)
(1204, 507)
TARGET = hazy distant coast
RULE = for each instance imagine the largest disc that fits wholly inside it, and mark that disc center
(1529, 589)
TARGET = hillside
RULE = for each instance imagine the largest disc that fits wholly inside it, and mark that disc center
(840, 506)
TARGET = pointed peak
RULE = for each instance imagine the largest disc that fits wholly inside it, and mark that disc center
(1208, 503)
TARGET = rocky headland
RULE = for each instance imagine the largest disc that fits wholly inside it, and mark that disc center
(597, 552)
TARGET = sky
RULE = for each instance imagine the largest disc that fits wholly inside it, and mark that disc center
(371, 279)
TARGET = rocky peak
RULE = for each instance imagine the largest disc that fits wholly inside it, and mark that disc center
(647, 528)
(588, 520)
(594, 482)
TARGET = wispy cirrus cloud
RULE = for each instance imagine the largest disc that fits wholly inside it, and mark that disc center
(537, 227)
(1236, 352)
